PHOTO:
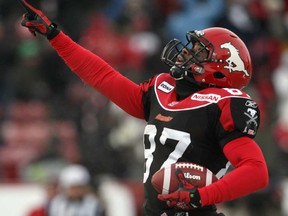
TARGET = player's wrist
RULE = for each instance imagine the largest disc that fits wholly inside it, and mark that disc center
(195, 199)
(53, 31)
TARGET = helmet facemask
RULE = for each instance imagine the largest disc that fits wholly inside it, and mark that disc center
(184, 59)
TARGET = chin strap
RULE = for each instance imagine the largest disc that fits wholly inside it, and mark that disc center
(176, 72)
(179, 73)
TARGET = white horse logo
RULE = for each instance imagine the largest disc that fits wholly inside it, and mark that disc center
(235, 63)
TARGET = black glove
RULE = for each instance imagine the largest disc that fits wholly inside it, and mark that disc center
(36, 21)
(186, 197)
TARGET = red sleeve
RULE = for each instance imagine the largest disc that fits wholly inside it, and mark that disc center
(41, 211)
(250, 173)
(100, 75)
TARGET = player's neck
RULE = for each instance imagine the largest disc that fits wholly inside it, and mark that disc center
(185, 88)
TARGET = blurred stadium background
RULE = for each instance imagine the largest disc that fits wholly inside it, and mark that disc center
(49, 118)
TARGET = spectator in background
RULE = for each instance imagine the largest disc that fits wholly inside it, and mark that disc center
(280, 128)
(280, 81)
(199, 14)
(51, 190)
(75, 197)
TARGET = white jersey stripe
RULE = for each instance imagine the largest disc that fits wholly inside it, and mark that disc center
(208, 177)
(166, 180)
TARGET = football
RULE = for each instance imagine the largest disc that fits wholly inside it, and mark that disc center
(165, 180)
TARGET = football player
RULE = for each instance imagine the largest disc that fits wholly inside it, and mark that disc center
(197, 112)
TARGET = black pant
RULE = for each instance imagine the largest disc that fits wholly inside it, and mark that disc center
(199, 214)
(204, 213)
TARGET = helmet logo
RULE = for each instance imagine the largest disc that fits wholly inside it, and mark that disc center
(235, 63)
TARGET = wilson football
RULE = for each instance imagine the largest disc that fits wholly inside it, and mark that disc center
(165, 180)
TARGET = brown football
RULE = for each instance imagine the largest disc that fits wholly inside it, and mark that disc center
(165, 180)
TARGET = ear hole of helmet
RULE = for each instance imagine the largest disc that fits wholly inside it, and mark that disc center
(218, 75)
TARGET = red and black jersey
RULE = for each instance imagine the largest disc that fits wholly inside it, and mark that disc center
(192, 130)
(212, 127)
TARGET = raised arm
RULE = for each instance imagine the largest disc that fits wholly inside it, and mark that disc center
(89, 67)
(100, 75)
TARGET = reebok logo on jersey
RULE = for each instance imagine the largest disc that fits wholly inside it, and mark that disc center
(212, 98)
(250, 103)
(165, 87)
